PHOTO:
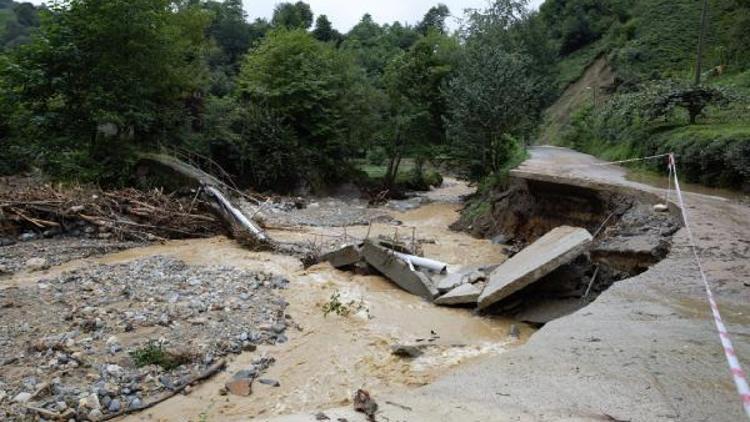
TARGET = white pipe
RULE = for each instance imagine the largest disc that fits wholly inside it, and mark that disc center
(244, 221)
(430, 264)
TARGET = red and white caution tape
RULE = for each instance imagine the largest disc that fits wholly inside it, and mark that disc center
(740, 379)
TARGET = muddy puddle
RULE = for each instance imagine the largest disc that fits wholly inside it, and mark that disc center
(329, 357)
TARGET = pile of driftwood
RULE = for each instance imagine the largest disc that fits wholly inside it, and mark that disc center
(130, 214)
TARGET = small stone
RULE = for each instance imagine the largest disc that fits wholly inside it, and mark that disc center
(3, 395)
(245, 374)
(249, 347)
(22, 397)
(279, 328)
(272, 383)
(240, 387)
(27, 236)
(112, 340)
(136, 403)
(114, 406)
(115, 370)
(90, 402)
(37, 264)
(320, 416)
(406, 351)
(96, 415)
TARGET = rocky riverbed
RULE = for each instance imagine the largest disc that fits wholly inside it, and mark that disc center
(106, 338)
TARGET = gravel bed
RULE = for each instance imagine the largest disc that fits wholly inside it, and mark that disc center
(44, 253)
(73, 345)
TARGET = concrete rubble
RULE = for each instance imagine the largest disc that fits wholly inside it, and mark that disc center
(465, 294)
(558, 247)
(399, 271)
(344, 257)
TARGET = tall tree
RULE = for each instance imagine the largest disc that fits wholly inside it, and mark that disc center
(497, 92)
(292, 15)
(307, 84)
(434, 19)
(324, 30)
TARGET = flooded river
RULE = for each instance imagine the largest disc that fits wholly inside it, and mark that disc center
(327, 358)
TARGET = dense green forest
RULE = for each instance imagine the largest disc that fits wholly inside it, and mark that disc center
(291, 101)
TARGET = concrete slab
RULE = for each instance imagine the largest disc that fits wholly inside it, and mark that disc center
(556, 248)
(348, 255)
(465, 294)
(399, 272)
(470, 274)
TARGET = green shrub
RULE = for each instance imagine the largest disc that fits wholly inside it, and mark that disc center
(154, 354)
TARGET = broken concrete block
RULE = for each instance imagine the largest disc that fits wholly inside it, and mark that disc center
(556, 248)
(399, 272)
(471, 274)
(465, 294)
(348, 255)
(450, 282)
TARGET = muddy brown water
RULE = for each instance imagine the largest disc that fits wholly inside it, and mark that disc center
(330, 357)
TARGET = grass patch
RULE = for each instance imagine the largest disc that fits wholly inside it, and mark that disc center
(154, 354)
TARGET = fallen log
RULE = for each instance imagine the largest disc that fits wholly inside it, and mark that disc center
(211, 371)
(239, 217)
(213, 187)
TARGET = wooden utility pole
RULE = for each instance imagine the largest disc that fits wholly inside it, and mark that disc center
(701, 41)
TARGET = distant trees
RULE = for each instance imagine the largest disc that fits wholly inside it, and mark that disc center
(324, 30)
(292, 15)
(434, 19)
(277, 103)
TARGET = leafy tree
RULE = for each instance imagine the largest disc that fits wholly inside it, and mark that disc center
(413, 82)
(103, 76)
(324, 30)
(306, 84)
(292, 16)
(496, 95)
(434, 19)
(229, 28)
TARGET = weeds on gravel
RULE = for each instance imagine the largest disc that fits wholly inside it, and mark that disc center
(154, 354)
(334, 305)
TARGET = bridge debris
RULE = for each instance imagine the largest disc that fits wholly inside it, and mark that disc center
(558, 247)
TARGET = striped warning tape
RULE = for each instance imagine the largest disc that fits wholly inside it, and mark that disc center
(740, 379)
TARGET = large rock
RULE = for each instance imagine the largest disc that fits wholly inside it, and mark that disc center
(465, 294)
(399, 272)
(556, 248)
(348, 255)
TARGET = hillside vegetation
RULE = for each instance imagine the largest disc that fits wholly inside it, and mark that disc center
(650, 47)
(17, 20)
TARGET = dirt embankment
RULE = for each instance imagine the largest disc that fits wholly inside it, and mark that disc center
(594, 87)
